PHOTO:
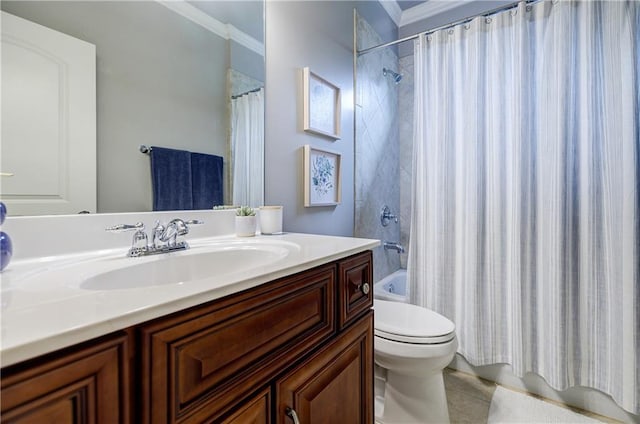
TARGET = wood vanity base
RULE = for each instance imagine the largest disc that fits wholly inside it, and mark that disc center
(303, 342)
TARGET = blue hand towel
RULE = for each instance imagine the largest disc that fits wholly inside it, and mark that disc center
(207, 179)
(171, 177)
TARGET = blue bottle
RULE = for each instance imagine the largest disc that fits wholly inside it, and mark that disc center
(6, 248)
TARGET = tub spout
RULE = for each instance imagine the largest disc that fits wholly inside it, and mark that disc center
(391, 245)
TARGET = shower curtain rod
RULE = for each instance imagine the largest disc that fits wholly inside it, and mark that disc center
(450, 24)
(255, 90)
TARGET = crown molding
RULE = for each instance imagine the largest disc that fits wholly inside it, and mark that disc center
(393, 10)
(429, 9)
(226, 31)
(417, 13)
(245, 39)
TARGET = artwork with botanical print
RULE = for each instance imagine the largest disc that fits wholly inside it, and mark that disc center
(321, 177)
(322, 174)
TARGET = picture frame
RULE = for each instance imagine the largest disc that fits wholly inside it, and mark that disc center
(322, 179)
(321, 105)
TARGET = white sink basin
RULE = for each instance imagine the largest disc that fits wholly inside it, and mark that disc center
(207, 264)
(183, 267)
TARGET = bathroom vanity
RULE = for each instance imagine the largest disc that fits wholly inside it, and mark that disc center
(286, 342)
(286, 337)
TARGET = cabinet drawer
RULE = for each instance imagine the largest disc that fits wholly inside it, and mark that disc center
(195, 365)
(80, 385)
(355, 275)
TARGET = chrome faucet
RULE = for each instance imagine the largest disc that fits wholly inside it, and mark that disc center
(164, 237)
(391, 245)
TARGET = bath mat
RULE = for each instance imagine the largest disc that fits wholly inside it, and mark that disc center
(508, 406)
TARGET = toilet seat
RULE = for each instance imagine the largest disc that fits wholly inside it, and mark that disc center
(407, 323)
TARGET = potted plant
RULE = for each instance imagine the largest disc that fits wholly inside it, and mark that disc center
(245, 222)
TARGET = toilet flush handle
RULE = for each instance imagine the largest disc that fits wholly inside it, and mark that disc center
(292, 414)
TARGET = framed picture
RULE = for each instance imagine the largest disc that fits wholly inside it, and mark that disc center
(321, 177)
(321, 110)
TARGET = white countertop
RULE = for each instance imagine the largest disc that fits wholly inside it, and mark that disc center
(45, 309)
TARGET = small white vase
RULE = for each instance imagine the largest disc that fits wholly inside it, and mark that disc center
(245, 226)
(270, 218)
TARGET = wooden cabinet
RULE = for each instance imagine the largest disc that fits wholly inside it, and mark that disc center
(87, 384)
(303, 342)
(334, 385)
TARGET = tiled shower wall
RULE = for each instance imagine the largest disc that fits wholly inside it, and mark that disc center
(377, 173)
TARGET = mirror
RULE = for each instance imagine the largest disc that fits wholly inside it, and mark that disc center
(166, 73)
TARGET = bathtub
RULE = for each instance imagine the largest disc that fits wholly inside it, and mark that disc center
(392, 287)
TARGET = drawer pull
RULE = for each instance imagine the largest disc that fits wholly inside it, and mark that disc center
(292, 414)
(364, 288)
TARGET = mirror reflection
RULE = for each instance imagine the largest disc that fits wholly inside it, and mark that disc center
(180, 75)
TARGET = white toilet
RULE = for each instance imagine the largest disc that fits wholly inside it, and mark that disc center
(412, 345)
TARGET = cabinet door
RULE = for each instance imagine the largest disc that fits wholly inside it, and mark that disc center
(86, 385)
(333, 386)
(356, 287)
(256, 410)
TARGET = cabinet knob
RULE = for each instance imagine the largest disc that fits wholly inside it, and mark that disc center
(365, 288)
(292, 414)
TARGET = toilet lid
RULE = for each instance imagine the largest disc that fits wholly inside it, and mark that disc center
(409, 323)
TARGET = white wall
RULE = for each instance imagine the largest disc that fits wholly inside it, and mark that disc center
(317, 34)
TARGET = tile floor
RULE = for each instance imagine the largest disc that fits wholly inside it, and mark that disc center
(469, 398)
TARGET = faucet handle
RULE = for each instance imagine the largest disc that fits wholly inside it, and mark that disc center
(139, 244)
(183, 227)
(175, 228)
(125, 227)
(386, 216)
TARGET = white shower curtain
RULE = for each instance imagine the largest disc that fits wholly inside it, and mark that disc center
(247, 144)
(525, 226)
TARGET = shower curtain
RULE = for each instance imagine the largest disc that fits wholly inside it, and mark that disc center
(247, 144)
(525, 226)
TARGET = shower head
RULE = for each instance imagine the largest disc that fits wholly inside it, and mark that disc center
(396, 76)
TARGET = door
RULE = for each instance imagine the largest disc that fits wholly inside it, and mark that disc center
(48, 78)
